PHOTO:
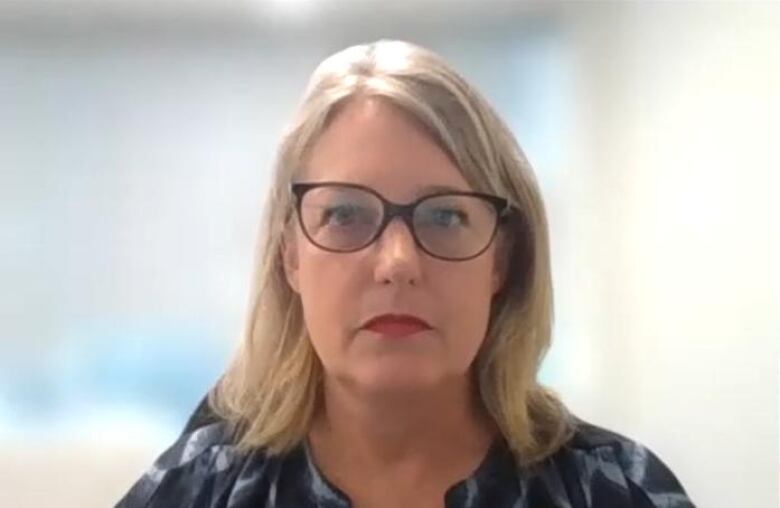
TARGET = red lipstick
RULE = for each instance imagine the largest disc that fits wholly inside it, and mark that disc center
(396, 325)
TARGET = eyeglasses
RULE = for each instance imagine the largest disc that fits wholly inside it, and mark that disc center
(343, 217)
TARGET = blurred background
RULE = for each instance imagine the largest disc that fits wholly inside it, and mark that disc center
(136, 139)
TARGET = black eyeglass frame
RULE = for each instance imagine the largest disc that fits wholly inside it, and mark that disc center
(390, 210)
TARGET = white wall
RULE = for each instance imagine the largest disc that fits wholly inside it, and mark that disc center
(676, 197)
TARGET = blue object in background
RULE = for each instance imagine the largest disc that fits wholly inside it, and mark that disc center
(106, 371)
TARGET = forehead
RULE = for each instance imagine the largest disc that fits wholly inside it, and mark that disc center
(374, 143)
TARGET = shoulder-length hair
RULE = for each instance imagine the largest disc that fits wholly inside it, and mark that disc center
(272, 387)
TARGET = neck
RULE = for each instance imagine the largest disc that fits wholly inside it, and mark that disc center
(434, 425)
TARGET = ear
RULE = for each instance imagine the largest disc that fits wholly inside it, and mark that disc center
(289, 250)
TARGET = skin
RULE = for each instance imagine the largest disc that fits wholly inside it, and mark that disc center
(400, 417)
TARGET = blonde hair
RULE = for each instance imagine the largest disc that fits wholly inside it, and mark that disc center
(271, 389)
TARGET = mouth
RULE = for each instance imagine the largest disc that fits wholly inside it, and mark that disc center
(396, 325)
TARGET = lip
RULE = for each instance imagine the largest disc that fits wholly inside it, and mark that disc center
(396, 325)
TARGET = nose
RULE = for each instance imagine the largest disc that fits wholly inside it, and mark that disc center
(398, 258)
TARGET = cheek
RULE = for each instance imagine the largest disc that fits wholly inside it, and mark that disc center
(324, 289)
(465, 298)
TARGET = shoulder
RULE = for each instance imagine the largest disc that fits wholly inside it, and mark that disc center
(202, 468)
(606, 468)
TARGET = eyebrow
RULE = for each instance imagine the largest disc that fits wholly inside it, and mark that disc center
(433, 189)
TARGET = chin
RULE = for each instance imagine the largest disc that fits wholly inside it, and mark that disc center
(394, 379)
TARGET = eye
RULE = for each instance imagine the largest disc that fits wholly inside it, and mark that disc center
(446, 217)
(340, 215)
(345, 215)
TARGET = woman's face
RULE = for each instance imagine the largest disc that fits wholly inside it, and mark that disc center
(372, 143)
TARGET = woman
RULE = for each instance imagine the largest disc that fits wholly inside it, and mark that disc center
(401, 308)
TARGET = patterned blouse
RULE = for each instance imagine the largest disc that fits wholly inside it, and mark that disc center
(596, 468)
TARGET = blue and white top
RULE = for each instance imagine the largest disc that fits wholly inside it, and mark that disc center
(595, 468)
